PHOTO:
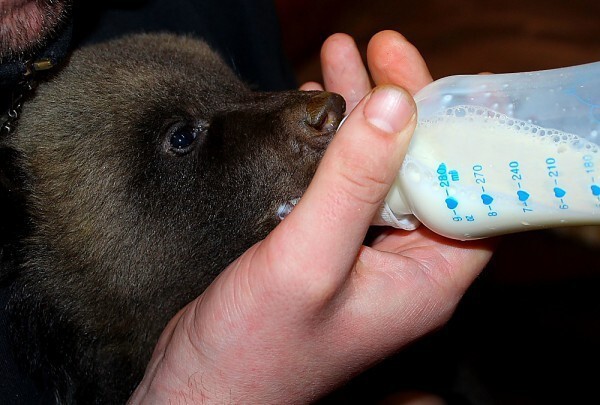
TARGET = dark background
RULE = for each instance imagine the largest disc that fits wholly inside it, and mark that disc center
(528, 330)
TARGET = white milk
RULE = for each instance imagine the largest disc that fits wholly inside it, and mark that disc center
(471, 173)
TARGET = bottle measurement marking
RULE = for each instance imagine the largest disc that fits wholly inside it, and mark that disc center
(517, 176)
(487, 199)
(444, 183)
(590, 169)
(559, 192)
(445, 179)
(595, 188)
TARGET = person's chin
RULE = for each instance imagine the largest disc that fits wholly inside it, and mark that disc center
(26, 24)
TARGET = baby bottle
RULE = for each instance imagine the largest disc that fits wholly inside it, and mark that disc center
(495, 154)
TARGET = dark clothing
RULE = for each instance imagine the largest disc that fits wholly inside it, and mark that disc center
(244, 32)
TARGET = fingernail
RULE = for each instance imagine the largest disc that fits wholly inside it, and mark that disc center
(388, 109)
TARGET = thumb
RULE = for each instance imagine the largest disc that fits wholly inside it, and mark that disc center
(328, 226)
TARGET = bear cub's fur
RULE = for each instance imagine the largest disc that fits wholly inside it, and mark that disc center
(135, 176)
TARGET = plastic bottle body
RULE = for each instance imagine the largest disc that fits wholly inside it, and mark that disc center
(504, 153)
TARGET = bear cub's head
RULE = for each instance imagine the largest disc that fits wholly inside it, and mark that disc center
(142, 170)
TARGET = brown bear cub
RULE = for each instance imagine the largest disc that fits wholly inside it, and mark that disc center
(134, 177)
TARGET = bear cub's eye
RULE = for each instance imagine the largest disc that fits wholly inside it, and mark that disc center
(181, 137)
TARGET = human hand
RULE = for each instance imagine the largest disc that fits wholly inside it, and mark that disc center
(310, 306)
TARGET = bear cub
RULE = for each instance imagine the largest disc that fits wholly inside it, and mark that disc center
(135, 176)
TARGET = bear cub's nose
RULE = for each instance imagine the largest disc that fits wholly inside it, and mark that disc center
(324, 112)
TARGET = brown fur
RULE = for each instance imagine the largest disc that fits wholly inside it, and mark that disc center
(120, 232)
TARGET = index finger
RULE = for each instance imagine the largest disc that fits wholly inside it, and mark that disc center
(394, 60)
(343, 69)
